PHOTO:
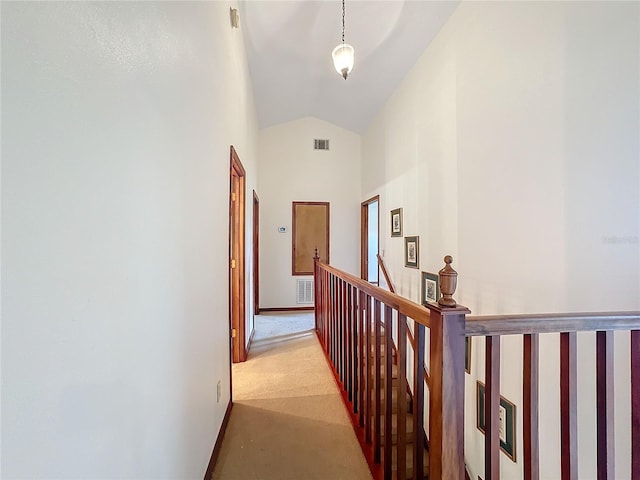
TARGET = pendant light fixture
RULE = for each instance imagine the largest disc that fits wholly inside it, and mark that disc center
(343, 54)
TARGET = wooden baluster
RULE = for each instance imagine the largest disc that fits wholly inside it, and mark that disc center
(388, 412)
(568, 406)
(323, 337)
(343, 353)
(377, 408)
(362, 360)
(336, 330)
(349, 346)
(401, 387)
(368, 411)
(491, 409)
(325, 331)
(530, 396)
(338, 324)
(356, 350)
(319, 298)
(418, 401)
(635, 404)
(345, 333)
(328, 303)
(316, 296)
(604, 417)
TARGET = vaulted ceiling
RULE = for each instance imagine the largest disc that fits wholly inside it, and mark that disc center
(289, 46)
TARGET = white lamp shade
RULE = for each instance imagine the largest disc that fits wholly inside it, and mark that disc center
(343, 56)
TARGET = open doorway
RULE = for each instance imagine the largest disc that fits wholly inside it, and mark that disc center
(237, 319)
(369, 240)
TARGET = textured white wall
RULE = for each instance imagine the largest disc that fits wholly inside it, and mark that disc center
(290, 170)
(117, 121)
(513, 145)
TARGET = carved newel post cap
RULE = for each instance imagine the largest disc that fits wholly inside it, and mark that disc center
(315, 255)
(448, 282)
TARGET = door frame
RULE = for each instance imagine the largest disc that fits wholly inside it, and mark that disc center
(256, 254)
(364, 237)
(237, 316)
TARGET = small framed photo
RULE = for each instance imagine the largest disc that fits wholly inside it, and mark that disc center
(467, 354)
(396, 222)
(412, 252)
(507, 421)
(430, 287)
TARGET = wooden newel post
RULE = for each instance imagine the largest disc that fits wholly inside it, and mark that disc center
(446, 391)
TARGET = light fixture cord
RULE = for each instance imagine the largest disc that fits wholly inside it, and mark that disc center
(343, 21)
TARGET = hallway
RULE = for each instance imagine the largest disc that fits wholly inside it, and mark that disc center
(288, 420)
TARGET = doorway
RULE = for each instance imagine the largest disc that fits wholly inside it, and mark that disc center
(237, 319)
(369, 240)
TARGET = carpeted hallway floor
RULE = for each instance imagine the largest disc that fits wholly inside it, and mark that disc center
(288, 420)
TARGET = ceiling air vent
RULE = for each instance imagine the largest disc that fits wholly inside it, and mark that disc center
(320, 144)
(305, 291)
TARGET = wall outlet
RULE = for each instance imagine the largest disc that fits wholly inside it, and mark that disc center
(219, 390)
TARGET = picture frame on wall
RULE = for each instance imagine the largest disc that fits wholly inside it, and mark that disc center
(430, 287)
(507, 421)
(396, 222)
(412, 252)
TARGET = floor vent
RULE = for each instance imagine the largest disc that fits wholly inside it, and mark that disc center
(305, 291)
(320, 144)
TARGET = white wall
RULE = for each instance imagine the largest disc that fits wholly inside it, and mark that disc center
(513, 145)
(290, 170)
(117, 122)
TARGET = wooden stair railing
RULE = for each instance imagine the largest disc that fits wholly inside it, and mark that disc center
(354, 322)
(567, 326)
(387, 279)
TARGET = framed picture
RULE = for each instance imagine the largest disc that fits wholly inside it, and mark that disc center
(467, 354)
(430, 287)
(507, 421)
(412, 252)
(396, 222)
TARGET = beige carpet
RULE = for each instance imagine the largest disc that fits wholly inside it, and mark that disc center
(288, 420)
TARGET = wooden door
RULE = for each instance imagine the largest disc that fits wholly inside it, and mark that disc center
(256, 254)
(237, 260)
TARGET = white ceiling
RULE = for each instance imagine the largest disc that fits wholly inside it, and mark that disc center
(289, 46)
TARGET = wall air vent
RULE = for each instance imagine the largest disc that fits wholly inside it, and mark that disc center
(305, 291)
(320, 144)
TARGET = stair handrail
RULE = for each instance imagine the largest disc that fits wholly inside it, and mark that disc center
(383, 267)
(532, 323)
(402, 304)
